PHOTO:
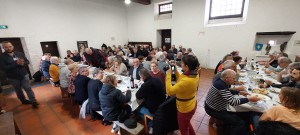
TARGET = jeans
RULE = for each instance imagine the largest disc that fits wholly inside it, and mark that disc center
(184, 122)
(23, 83)
(235, 122)
(145, 111)
(255, 119)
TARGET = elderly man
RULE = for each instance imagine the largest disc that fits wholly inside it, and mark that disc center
(295, 80)
(14, 64)
(54, 71)
(45, 65)
(94, 87)
(153, 91)
(283, 62)
(81, 85)
(94, 58)
(135, 69)
(219, 97)
(162, 63)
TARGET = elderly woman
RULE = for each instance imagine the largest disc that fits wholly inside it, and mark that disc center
(118, 67)
(156, 72)
(112, 99)
(63, 75)
(54, 71)
(185, 91)
(71, 78)
(289, 112)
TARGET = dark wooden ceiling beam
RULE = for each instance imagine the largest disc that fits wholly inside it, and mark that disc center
(144, 2)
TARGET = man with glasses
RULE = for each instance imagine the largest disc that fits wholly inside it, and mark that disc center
(135, 69)
(219, 97)
(14, 63)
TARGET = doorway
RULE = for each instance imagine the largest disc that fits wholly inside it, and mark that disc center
(166, 38)
(17, 47)
(50, 47)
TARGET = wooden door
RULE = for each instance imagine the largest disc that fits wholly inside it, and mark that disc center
(166, 38)
(16, 42)
(50, 47)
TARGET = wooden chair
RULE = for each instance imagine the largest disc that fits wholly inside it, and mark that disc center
(146, 118)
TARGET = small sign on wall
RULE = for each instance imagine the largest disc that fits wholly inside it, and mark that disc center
(167, 40)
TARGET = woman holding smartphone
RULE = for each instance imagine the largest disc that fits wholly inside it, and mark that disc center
(185, 91)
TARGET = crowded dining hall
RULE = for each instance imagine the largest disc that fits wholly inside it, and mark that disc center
(142, 67)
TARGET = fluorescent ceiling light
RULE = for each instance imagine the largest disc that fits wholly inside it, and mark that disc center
(127, 2)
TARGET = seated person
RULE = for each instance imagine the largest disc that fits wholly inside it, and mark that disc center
(162, 63)
(94, 87)
(156, 72)
(45, 65)
(147, 63)
(289, 112)
(134, 70)
(77, 57)
(54, 71)
(118, 67)
(112, 99)
(219, 66)
(230, 64)
(63, 75)
(283, 62)
(295, 80)
(237, 60)
(153, 91)
(285, 75)
(273, 61)
(219, 97)
(71, 78)
(81, 85)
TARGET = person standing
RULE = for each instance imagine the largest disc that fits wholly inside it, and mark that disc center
(14, 64)
(185, 91)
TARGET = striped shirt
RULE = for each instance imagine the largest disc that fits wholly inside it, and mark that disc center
(219, 96)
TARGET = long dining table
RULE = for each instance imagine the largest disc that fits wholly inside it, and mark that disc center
(250, 78)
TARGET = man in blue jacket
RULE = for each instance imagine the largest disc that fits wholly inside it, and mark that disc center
(14, 64)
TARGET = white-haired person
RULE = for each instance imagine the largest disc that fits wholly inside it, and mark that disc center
(54, 71)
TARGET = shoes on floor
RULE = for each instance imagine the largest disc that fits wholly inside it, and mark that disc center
(115, 128)
(26, 102)
(35, 105)
(150, 130)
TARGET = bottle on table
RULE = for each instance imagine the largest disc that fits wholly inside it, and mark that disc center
(132, 82)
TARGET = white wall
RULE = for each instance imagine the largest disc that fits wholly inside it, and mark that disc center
(188, 29)
(65, 21)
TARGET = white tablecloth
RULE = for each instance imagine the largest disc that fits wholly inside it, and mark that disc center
(261, 106)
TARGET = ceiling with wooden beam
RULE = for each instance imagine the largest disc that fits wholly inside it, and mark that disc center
(144, 2)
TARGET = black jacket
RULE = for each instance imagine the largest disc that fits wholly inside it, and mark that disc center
(165, 117)
(153, 92)
(289, 84)
(81, 88)
(9, 65)
(137, 71)
(94, 87)
(96, 59)
(137, 54)
(111, 100)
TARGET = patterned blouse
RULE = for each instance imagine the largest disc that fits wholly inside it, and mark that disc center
(71, 79)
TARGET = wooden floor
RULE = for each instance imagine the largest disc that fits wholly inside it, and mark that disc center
(55, 116)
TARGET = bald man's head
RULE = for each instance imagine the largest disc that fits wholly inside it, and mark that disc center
(228, 76)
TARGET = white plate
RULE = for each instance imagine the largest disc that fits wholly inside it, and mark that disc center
(261, 96)
(276, 90)
(81, 65)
